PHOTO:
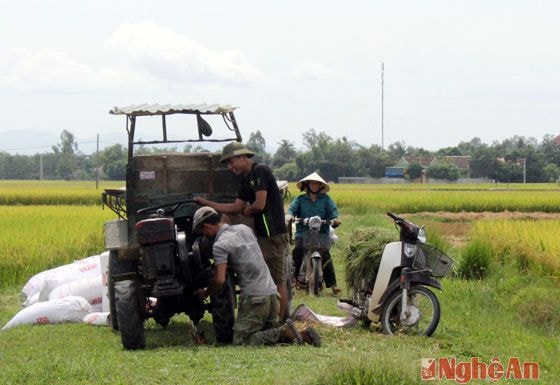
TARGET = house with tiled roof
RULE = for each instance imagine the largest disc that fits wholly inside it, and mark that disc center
(461, 161)
(397, 171)
(424, 161)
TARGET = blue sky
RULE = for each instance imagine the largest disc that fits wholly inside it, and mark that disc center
(453, 69)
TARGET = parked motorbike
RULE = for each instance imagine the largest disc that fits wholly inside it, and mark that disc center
(311, 271)
(398, 296)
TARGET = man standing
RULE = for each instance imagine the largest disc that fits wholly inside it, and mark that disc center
(257, 315)
(259, 197)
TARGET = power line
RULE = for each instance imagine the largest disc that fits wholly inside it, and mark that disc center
(53, 145)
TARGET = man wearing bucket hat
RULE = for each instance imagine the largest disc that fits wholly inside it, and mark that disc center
(314, 202)
(258, 197)
(257, 316)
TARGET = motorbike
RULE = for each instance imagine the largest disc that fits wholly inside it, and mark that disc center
(311, 271)
(399, 296)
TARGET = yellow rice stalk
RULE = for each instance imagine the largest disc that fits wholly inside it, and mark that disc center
(36, 238)
(535, 242)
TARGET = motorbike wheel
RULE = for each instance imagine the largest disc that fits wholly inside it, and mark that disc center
(309, 276)
(316, 262)
(425, 313)
(130, 319)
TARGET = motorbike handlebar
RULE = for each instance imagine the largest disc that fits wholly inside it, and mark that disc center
(403, 223)
(323, 221)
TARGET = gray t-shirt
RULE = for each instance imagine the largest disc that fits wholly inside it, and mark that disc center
(237, 246)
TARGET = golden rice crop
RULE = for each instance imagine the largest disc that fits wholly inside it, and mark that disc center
(52, 192)
(36, 238)
(523, 242)
(412, 198)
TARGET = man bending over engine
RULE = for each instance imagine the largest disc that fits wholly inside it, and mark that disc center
(257, 315)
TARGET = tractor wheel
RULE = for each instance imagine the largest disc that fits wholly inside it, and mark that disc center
(113, 254)
(129, 313)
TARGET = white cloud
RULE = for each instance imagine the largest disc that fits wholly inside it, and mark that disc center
(168, 55)
(54, 71)
(317, 71)
(42, 69)
(152, 55)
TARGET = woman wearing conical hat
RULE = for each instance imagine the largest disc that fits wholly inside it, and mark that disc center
(315, 201)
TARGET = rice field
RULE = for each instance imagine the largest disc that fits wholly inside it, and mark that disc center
(410, 198)
(36, 238)
(17, 192)
(48, 223)
(454, 198)
(525, 243)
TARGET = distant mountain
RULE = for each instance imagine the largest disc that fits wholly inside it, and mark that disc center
(28, 142)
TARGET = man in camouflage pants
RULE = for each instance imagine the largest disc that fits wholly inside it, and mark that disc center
(257, 317)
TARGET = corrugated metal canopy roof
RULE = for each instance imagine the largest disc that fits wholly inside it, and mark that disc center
(163, 109)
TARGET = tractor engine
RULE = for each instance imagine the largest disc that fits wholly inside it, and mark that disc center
(157, 238)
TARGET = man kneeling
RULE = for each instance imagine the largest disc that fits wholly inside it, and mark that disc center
(257, 313)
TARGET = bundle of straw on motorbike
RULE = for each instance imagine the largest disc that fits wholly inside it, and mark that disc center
(363, 254)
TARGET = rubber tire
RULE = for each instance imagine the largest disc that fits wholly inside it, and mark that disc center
(131, 322)
(393, 304)
(113, 254)
(309, 277)
(117, 268)
(317, 281)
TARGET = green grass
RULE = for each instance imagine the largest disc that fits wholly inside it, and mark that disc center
(482, 319)
(475, 323)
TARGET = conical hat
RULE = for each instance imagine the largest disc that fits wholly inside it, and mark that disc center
(314, 177)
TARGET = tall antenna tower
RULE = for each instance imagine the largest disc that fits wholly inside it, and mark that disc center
(382, 96)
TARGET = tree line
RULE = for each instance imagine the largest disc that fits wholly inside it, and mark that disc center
(505, 161)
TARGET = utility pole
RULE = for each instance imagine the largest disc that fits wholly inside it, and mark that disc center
(382, 96)
(41, 167)
(524, 170)
(97, 165)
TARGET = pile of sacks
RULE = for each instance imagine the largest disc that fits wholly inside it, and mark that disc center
(76, 292)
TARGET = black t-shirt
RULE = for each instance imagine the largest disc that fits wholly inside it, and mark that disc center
(271, 220)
